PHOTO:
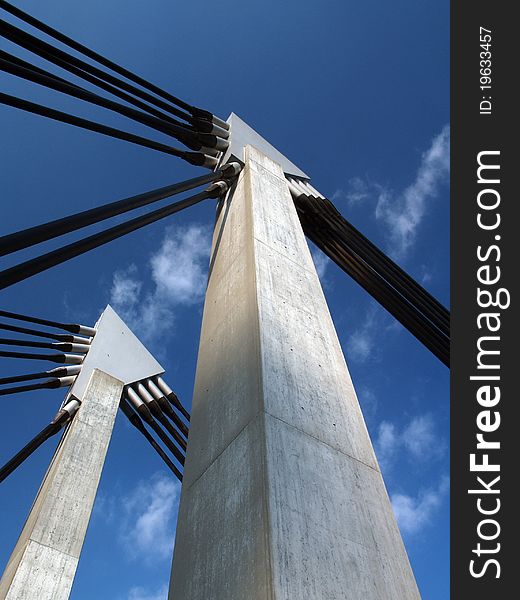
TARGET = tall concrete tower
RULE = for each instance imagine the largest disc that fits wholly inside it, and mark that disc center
(282, 498)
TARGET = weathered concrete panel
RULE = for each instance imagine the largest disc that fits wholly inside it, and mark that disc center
(227, 529)
(283, 498)
(43, 572)
(44, 561)
(306, 381)
(334, 534)
(227, 385)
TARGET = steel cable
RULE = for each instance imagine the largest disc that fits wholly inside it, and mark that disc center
(95, 81)
(194, 158)
(405, 313)
(323, 231)
(324, 210)
(49, 52)
(186, 136)
(62, 417)
(57, 372)
(43, 262)
(50, 384)
(70, 327)
(56, 358)
(136, 421)
(40, 233)
(62, 346)
(26, 377)
(57, 35)
(60, 337)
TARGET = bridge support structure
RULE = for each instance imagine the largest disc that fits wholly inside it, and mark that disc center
(44, 561)
(282, 495)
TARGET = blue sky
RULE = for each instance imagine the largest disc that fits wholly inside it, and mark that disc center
(357, 95)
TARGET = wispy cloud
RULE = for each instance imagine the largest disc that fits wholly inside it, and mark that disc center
(364, 342)
(418, 438)
(413, 513)
(368, 400)
(178, 277)
(321, 261)
(179, 267)
(357, 190)
(387, 444)
(361, 343)
(147, 527)
(426, 275)
(140, 593)
(403, 213)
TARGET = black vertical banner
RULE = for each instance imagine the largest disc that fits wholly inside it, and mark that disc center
(485, 247)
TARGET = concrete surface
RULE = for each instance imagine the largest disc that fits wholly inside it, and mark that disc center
(44, 561)
(282, 497)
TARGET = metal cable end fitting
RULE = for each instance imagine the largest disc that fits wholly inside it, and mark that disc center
(209, 161)
(218, 189)
(231, 169)
(219, 131)
(67, 412)
(64, 371)
(220, 123)
(66, 381)
(212, 141)
(295, 191)
(89, 331)
(72, 359)
(209, 151)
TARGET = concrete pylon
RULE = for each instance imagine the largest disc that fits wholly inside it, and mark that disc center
(282, 497)
(44, 561)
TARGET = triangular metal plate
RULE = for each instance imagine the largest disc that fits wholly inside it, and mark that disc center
(241, 135)
(116, 351)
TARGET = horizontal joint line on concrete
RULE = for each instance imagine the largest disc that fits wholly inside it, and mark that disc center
(373, 548)
(261, 166)
(33, 541)
(322, 442)
(303, 268)
(260, 412)
(265, 412)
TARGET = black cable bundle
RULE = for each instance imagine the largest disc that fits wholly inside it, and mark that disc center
(394, 289)
(198, 129)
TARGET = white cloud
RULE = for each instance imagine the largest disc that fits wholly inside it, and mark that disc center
(178, 277)
(140, 593)
(387, 444)
(321, 261)
(179, 268)
(362, 341)
(414, 513)
(404, 213)
(418, 438)
(368, 401)
(357, 190)
(147, 527)
(105, 507)
(426, 275)
(125, 289)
